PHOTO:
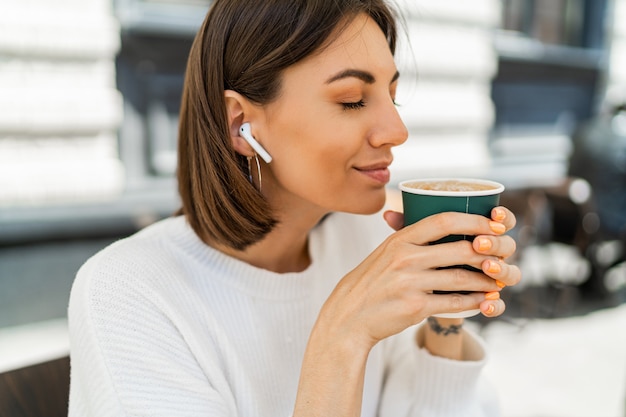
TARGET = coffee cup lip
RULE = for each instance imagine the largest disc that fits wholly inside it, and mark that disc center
(499, 188)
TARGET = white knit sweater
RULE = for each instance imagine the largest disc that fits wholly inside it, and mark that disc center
(163, 325)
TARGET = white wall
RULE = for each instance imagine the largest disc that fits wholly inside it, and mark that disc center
(616, 79)
(59, 108)
(445, 87)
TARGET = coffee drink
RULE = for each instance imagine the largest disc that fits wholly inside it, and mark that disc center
(424, 197)
(450, 185)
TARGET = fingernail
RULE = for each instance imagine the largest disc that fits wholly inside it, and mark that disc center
(500, 283)
(493, 268)
(491, 309)
(484, 244)
(499, 214)
(494, 295)
(498, 228)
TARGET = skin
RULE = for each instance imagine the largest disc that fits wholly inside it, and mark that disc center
(338, 143)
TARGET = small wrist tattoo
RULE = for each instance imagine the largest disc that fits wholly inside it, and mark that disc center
(434, 325)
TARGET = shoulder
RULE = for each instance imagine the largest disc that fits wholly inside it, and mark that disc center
(134, 291)
(131, 269)
(144, 251)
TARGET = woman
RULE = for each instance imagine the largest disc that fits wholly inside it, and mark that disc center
(268, 294)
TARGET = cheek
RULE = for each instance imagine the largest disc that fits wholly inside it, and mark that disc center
(316, 175)
(319, 169)
(324, 180)
(317, 149)
(314, 158)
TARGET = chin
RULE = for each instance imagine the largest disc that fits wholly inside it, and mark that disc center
(371, 206)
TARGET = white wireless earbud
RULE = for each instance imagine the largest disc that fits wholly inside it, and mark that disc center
(245, 133)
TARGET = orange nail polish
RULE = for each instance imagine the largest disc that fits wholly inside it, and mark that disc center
(496, 227)
(491, 309)
(500, 283)
(484, 244)
(499, 214)
(493, 267)
(494, 295)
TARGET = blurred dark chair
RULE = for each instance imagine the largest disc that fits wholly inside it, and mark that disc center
(40, 390)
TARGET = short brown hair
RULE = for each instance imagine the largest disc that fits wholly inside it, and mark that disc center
(244, 46)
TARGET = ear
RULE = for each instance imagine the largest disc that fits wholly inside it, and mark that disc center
(238, 109)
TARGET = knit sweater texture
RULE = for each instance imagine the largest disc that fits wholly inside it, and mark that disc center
(163, 325)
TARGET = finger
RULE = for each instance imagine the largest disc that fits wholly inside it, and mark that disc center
(457, 279)
(440, 255)
(394, 219)
(492, 308)
(447, 255)
(503, 273)
(500, 246)
(440, 225)
(505, 216)
(454, 303)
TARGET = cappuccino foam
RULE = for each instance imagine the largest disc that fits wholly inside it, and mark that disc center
(450, 185)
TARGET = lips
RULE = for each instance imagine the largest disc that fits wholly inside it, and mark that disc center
(378, 172)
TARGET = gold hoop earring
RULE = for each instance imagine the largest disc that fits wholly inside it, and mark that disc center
(258, 168)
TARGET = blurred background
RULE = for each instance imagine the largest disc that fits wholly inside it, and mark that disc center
(531, 93)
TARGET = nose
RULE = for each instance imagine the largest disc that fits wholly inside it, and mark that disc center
(389, 127)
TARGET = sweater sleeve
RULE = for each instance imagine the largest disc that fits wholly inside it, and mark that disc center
(420, 384)
(127, 357)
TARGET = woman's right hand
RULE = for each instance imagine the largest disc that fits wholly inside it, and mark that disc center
(392, 288)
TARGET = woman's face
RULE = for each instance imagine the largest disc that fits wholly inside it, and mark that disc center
(331, 130)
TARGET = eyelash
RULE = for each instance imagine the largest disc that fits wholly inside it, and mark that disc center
(353, 105)
(360, 104)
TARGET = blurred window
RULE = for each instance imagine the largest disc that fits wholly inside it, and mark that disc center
(42, 246)
(558, 22)
(550, 62)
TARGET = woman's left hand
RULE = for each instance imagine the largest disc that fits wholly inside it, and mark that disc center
(495, 248)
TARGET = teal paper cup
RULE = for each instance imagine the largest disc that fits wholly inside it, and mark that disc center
(424, 197)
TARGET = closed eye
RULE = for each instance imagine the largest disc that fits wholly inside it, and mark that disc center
(353, 105)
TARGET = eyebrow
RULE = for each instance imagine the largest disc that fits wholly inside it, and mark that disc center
(364, 76)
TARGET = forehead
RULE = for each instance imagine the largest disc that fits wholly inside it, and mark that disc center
(359, 45)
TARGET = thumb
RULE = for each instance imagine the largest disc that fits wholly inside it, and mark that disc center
(394, 219)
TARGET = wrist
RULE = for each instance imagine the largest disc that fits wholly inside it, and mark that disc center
(442, 337)
(332, 375)
(331, 339)
(445, 327)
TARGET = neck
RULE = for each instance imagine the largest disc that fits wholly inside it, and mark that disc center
(285, 249)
